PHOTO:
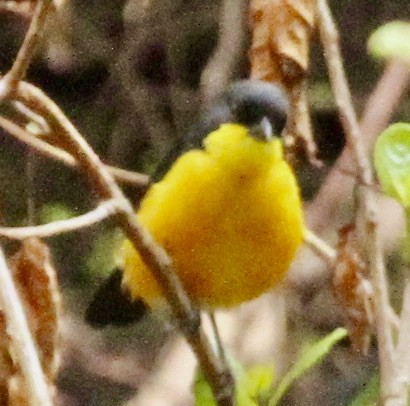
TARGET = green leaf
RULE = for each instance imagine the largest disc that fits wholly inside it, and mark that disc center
(55, 211)
(249, 385)
(391, 41)
(255, 383)
(309, 357)
(392, 162)
(102, 259)
(202, 390)
(370, 393)
(34, 128)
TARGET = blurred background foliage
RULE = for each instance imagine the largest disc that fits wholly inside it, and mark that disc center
(127, 73)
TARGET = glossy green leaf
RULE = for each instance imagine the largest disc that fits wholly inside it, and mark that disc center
(391, 41)
(392, 162)
(309, 357)
(370, 393)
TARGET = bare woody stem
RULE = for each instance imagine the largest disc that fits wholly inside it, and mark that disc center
(220, 68)
(152, 254)
(319, 246)
(27, 50)
(401, 361)
(367, 202)
(105, 209)
(121, 175)
(17, 328)
(377, 113)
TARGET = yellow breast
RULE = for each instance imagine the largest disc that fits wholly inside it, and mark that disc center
(230, 217)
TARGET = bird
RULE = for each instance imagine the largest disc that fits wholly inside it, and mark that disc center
(227, 210)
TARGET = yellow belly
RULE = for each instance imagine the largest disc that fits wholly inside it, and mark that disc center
(231, 236)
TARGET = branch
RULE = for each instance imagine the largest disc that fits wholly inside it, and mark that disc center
(367, 202)
(319, 246)
(58, 154)
(22, 341)
(402, 356)
(132, 178)
(103, 210)
(220, 68)
(31, 116)
(153, 255)
(377, 112)
(34, 34)
(384, 99)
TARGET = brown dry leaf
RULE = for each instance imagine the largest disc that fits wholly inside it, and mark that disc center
(281, 31)
(6, 363)
(36, 281)
(298, 137)
(280, 42)
(353, 289)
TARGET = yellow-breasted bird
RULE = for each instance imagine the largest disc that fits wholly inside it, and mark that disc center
(229, 214)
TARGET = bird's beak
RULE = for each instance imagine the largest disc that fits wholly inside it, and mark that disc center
(262, 131)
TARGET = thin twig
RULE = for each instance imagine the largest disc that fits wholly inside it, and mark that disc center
(27, 50)
(17, 328)
(103, 210)
(367, 202)
(135, 179)
(402, 355)
(217, 335)
(377, 112)
(153, 255)
(31, 116)
(50, 151)
(402, 360)
(221, 66)
(384, 99)
(323, 249)
(394, 321)
(22, 341)
(29, 174)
